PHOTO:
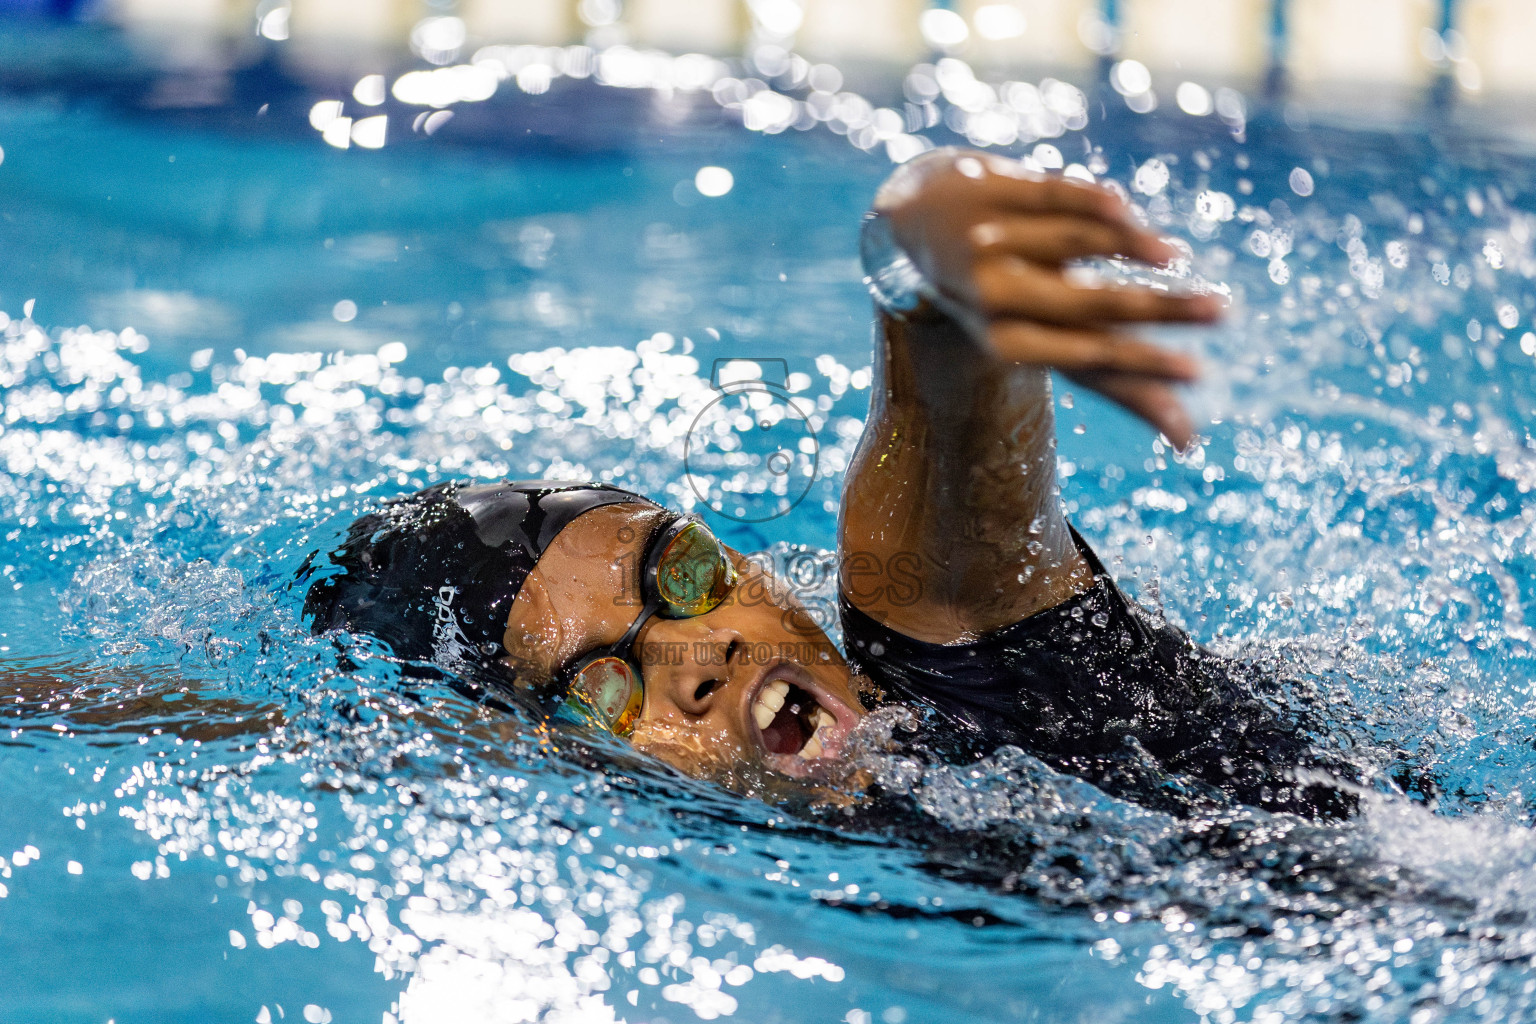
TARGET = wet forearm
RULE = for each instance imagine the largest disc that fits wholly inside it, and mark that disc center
(968, 255)
(956, 475)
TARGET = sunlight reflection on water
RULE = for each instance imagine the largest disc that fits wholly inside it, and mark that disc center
(1357, 512)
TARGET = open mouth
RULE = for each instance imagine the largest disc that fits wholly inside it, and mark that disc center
(796, 726)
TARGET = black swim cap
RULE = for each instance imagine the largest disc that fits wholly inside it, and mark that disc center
(434, 574)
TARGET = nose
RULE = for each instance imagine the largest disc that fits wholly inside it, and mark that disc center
(688, 662)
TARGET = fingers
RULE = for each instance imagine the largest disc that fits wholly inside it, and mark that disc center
(1076, 351)
(1059, 196)
(1054, 240)
(1003, 190)
(1152, 400)
(1013, 288)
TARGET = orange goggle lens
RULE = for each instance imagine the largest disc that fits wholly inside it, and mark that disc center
(694, 573)
(608, 692)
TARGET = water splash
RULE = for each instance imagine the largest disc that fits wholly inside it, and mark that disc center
(1357, 514)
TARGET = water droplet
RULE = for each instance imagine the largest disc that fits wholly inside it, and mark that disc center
(1151, 177)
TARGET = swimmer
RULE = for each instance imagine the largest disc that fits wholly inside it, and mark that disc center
(964, 592)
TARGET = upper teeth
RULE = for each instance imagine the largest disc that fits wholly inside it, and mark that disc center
(769, 700)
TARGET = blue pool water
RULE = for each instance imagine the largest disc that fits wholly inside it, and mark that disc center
(210, 816)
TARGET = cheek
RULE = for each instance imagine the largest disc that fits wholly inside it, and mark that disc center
(755, 608)
(800, 623)
(788, 629)
(769, 606)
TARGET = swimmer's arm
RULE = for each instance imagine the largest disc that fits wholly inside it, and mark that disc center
(952, 522)
(41, 693)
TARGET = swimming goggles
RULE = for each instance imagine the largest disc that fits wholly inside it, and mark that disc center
(686, 574)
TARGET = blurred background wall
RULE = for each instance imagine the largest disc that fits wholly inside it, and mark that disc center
(1312, 47)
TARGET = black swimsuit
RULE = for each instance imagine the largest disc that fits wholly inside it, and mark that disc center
(1099, 688)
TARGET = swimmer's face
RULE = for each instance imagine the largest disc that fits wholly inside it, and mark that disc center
(749, 687)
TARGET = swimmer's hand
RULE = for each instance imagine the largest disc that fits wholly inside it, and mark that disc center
(993, 241)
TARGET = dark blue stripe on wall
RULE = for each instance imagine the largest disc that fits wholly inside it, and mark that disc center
(41, 8)
(1277, 32)
(1111, 9)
